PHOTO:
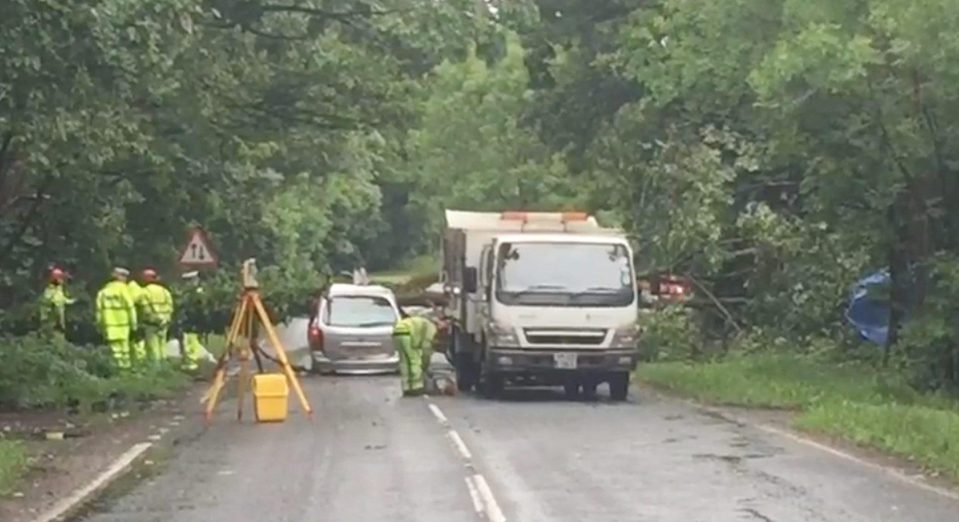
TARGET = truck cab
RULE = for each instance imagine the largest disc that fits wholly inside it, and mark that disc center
(553, 305)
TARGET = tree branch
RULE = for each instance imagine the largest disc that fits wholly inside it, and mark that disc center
(29, 216)
(887, 140)
(336, 15)
(273, 36)
(719, 305)
(4, 147)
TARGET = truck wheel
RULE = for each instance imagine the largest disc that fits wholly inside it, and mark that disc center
(492, 386)
(571, 389)
(619, 386)
(589, 389)
(465, 373)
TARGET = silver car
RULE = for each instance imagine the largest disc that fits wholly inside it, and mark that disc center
(352, 330)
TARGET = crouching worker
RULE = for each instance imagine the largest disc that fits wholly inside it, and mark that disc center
(414, 342)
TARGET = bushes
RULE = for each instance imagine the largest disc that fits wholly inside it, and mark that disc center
(38, 374)
(929, 345)
(670, 334)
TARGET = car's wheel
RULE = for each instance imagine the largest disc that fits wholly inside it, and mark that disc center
(571, 389)
(619, 386)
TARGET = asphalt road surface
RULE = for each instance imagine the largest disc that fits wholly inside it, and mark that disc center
(371, 455)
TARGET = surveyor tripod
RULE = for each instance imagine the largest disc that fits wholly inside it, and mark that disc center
(241, 345)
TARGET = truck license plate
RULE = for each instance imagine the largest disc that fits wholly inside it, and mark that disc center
(565, 361)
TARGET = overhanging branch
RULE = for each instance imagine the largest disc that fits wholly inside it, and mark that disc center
(336, 15)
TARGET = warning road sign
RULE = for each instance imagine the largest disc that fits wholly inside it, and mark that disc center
(197, 253)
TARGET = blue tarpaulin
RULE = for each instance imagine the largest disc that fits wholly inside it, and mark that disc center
(869, 312)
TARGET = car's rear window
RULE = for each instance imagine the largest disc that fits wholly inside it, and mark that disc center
(359, 311)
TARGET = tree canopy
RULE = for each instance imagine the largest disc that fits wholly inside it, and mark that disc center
(773, 150)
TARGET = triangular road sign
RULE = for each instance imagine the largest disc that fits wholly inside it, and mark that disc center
(197, 253)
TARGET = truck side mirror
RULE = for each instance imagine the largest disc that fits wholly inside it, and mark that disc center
(471, 276)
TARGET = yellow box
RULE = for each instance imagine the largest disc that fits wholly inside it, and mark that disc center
(270, 397)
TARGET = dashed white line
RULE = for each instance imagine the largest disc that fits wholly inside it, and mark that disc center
(490, 506)
(438, 414)
(460, 445)
(480, 493)
(474, 495)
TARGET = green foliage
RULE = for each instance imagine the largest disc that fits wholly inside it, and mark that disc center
(286, 292)
(52, 374)
(930, 341)
(470, 149)
(13, 462)
(670, 334)
(776, 150)
(275, 126)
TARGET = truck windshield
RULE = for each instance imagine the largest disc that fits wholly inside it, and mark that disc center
(564, 274)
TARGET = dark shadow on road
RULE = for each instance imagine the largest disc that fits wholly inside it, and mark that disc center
(548, 394)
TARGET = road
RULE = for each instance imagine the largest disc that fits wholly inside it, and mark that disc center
(371, 455)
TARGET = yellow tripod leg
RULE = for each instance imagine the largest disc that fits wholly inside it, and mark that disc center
(239, 320)
(241, 383)
(214, 393)
(243, 378)
(219, 376)
(281, 354)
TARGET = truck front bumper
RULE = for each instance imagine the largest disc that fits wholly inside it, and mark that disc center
(559, 363)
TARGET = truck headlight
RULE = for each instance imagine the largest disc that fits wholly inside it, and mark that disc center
(626, 337)
(501, 336)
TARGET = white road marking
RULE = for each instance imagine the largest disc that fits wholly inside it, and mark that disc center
(474, 495)
(82, 494)
(438, 414)
(460, 445)
(480, 493)
(490, 506)
(894, 473)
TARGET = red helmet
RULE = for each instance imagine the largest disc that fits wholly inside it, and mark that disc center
(57, 274)
(149, 275)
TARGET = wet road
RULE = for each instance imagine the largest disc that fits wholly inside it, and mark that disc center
(371, 455)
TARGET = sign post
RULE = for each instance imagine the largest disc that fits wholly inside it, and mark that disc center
(197, 253)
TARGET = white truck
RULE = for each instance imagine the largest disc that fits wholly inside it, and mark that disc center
(539, 299)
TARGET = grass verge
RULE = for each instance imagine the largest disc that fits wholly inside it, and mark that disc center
(853, 402)
(13, 463)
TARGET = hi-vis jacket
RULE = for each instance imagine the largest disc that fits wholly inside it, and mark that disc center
(116, 311)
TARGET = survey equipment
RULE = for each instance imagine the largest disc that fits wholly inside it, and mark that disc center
(249, 318)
